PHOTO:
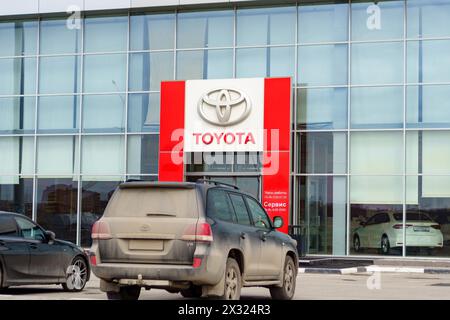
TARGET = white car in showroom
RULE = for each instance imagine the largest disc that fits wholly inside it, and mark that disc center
(385, 231)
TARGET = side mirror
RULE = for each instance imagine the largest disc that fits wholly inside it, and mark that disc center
(277, 222)
(50, 235)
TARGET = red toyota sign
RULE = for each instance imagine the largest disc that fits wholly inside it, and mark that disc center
(230, 115)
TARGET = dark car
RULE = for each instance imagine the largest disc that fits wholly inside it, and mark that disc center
(31, 255)
(199, 239)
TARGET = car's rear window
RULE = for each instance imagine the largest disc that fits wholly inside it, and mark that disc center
(412, 217)
(164, 202)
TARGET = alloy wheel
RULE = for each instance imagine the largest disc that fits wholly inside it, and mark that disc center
(76, 275)
(231, 284)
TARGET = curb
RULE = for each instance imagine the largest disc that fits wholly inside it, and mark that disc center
(374, 268)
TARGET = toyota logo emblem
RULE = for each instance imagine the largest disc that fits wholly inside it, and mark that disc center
(224, 101)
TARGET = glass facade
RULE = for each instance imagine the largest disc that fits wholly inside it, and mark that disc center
(371, 120)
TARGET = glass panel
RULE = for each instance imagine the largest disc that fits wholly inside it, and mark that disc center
(240, 209)
(427, 107)
(322, 65)
(56, 155)
(260, 218)
(377, 63)
(428, 218)
(210, 162)
(143, 152)
(322, 22)
(262, 62)
(105, 73)
(205, 29)
(205, 64)
(428, 61)
(56, 202)
(18, 38)
(17, 197)
(59, 74)
(219, 205)
(152, 31)
(143, 112)
(322, 108)
(322, 220)
(322, 152)
(17, 155)
(104, 113)
(249, 185)
(428, 152)
(377, 21)
(147, 70)
(105, 34)
(376, 153)
(17, 115)
(376, 202)
(264, 26)
(56, 37)
(247, 162)
(17, 76)
(428, 18)
(103, 155)
(378, 107)
(251, 62)
(94, 198)
(58, 114)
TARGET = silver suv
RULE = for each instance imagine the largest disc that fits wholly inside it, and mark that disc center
(200, 239)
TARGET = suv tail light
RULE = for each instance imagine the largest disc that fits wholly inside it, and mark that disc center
(400, 226)
(100, 231)
(200, 232)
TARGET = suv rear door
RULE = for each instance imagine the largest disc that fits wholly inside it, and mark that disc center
(271, 257)
(148, 223)
(250, 242)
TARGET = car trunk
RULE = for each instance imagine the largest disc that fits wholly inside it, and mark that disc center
(148, 224)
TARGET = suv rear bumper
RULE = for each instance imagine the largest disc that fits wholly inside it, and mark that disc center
(175, 273)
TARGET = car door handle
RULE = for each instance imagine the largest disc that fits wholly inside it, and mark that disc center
(263, 236)
(2, 243)
(243, 235)
(33, 245)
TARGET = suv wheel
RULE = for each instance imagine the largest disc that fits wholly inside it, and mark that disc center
(233, 281)
(286, 292)
(125, 293)
(192, 292)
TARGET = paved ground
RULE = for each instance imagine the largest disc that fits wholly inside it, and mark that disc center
(309, 286)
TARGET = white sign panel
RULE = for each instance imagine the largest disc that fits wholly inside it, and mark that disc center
(224, 115)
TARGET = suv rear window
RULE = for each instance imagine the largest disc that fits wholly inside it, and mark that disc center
(149, 201)
(219, 206)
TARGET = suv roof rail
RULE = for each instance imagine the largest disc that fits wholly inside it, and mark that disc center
(217, 183)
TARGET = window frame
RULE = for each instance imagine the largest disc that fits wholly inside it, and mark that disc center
(250, 218)
(35, 227)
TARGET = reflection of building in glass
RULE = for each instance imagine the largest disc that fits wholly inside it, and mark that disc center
(80, 108)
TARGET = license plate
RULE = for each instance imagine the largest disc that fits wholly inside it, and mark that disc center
(153, 245)
(421, 229)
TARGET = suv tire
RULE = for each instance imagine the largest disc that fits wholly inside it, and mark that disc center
(233, 281)
(125, 293)
(287, 291)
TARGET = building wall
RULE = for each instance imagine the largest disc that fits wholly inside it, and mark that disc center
(371, 119)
